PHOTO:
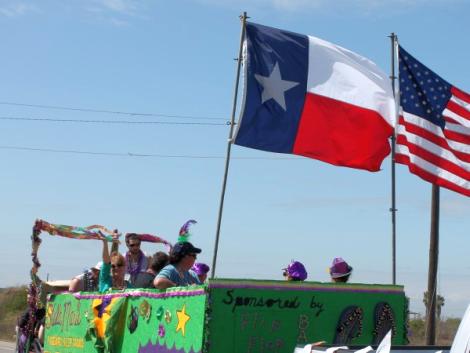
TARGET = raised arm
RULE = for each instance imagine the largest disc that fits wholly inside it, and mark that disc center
(106, 257)
(105, 281)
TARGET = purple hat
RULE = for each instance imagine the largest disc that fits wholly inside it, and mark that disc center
(340, 268)
(200, 269)
(296, 270)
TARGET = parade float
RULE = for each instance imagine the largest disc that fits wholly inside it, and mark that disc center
(223, 315)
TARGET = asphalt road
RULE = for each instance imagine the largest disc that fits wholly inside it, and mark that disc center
(7, 347)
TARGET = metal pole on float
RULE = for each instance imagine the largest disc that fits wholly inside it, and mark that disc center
(393, 208)
(229, 143)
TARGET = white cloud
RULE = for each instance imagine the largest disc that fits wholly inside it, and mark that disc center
(17, 9)
(118, 23)
(365, 6)
(119, 13)
(122, 6)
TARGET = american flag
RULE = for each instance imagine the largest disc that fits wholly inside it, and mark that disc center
(433, 132)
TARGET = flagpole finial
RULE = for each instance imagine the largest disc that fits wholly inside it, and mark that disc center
(243, 16)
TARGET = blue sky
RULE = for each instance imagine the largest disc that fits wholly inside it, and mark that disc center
(176, 58)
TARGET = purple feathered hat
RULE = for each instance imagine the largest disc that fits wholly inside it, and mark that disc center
(200, 269)
(340, 268)
(296, 270)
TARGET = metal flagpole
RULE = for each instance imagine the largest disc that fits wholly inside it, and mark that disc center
(432, 271)
(229, 144)
(393, 208)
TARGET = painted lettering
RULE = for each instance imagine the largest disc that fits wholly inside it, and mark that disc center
(63, 315)
(319, 307)
(230, 300)
(253, 320)
(259, 344)
(259, 302)
(275, 325)
(303, 325)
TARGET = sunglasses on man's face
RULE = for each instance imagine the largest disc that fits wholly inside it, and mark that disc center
(132, 245)
(115, 266)
(193, 255)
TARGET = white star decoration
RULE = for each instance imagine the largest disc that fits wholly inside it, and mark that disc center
(274, 86)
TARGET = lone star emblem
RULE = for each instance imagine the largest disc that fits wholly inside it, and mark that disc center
(274, 86)
(183, 319)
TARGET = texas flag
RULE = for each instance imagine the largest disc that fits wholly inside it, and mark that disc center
(309, 97)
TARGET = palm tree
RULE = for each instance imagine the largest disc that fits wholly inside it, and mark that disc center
(439, 304)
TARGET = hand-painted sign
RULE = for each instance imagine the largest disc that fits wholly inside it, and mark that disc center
(230, 316)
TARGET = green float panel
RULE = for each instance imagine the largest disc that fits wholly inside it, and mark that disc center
(131, 321)
(224, 316)
(272, 316)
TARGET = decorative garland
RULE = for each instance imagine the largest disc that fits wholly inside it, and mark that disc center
(33, 303)
(89, 284)
(97, 232)
(140, 293)
(91, 232)
(150, 238)
(135, 267)
(35, 287)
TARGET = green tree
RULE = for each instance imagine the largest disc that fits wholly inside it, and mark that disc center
(439, 304)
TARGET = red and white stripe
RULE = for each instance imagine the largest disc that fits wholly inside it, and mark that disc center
(349, 109)
(440, 156)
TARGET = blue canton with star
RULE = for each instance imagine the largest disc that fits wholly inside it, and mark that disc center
(422, 92)
(276, 71)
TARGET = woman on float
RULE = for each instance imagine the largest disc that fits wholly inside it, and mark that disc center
(113, 270)
(177, 273)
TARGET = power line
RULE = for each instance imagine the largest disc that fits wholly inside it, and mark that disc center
(131, 154)
(89, 110)
(93, 121)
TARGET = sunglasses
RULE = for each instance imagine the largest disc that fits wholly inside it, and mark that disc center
(114, 266)
(133, 245)
(193, 255)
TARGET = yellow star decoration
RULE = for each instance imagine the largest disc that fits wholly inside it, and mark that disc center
(183, 318)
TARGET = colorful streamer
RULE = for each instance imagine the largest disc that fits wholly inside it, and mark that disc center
(91, 232)
(150, 239)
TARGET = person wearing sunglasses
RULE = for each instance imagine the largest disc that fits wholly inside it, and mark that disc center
(113, 270)
(136, 261)
(182, 257)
